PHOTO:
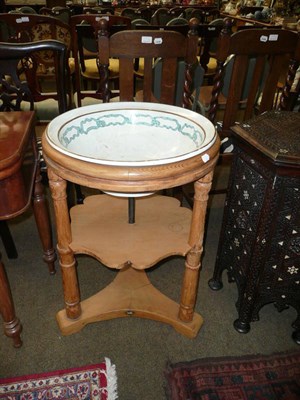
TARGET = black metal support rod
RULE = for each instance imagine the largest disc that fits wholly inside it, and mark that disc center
(131, 210)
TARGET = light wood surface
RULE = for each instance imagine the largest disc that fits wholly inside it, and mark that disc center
(142, 244)
(131, 294)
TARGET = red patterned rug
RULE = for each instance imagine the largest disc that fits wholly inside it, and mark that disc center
(274, 377)
(94, 382)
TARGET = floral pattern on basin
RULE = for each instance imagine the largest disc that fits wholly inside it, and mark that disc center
(127, 134)
(116, 119)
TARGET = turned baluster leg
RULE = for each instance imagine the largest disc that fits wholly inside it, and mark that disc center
(66, 256)
(12, 325)
(193, 258)
(42, 218)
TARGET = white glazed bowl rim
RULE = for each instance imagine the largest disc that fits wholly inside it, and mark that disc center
(54, 127)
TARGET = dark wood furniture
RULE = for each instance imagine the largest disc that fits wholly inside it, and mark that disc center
(84, 29)
(7, 240)
(163, 15)
(238, 20)
(260, 237)
(62, 13)
(246, 85)
(147, 46)
(208, 35)
(35, 28)
(19, 181)
(268, 51)
(98, 10)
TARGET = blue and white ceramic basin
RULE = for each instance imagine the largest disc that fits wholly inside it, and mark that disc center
(131, 134)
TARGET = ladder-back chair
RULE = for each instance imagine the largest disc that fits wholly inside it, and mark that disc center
(259, 65)
(84, 29)
(269, 49)
(170, 46)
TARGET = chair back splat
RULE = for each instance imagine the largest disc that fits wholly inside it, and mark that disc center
(149, 45)
(271, 53)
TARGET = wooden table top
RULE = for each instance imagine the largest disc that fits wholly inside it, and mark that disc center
(15, 130)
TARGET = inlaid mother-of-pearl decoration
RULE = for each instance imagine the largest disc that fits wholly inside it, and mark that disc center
(131, 134)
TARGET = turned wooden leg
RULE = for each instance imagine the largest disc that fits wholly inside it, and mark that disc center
(193, 258)
(42, 219)
(12, 325)
(66, 256)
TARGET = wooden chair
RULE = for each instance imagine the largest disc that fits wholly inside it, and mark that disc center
(130, 12)
(99, 10)
(35, 28)
(209, 36)
(139, 21)
(20, 180)
(62, 13)
(41, 76)
(180, 28)
(129, 45)
(163, 15)
(145, 13)
(139, 25)
(208, 15)
(269, 48)
(84, 29)
(168, 46)
(264, 58)
(23, 10)
(177, 21)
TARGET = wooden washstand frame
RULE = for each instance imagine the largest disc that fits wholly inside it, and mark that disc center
(181, 233)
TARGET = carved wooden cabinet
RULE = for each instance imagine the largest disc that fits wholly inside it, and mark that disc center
(259, 244)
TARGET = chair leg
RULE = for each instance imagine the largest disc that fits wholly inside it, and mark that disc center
(42, 218)
(12, 325)
(7, 240)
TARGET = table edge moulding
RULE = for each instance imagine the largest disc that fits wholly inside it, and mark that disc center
(100, 228)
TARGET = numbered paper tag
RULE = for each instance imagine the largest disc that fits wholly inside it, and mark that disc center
(205, 157)
(146, 39)
(273, 38)
(264, 38)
